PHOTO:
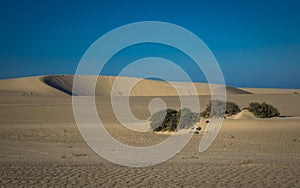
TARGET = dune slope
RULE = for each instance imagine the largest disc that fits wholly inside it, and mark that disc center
(34, 85)
(120, 85)
(61, 85)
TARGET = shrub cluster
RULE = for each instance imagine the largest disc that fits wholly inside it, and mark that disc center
(171, 119)
(263, 110)
(220, 109)
(188, 118)
(260, 110)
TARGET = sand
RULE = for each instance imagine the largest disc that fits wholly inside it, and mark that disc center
(41, 145)
(107, 85)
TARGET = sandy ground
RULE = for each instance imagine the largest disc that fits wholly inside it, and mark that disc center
(41, 145)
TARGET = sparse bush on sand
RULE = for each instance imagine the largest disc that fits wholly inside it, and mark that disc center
(220, 109)
(168, 120)
(188, 118)
(263, 110)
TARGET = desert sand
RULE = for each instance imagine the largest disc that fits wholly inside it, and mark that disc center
(41, 145)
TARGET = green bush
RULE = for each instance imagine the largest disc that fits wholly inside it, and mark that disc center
(188, 118)
(185, 111)
(232, 108)
(263, 110)
(168, 120)
(220, 109)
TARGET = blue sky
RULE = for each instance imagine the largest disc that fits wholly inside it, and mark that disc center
(257, 43)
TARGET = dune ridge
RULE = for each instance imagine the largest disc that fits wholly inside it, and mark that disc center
(61, 85)
(142, 87)
(34, 85)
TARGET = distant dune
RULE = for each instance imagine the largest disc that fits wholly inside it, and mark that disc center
(62, 85)
(142, 87)
(271, 90)
(27, 86)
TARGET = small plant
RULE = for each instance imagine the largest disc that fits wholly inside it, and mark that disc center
(263, 110)
(232, 108)
(171, 119)
(220, 109)
(188, 118)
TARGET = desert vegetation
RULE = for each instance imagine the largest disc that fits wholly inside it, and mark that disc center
(172, 120)
(263, 110)
(220, 109)
(260, 110)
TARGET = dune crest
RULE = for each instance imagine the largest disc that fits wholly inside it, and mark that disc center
(34, 85)
(120, 85)
(61, 85)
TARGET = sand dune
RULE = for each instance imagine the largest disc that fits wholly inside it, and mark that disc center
(271, 90)
(41, 145)
(105, 85)
(44, 85)
(142, 87)
(27, 86)
(244, 114)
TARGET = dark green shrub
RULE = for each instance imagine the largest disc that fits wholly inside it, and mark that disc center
(185, 111)
(216, 112)
(232, 108)
(168, 120)
(263, 110)
(220, 109)
(157, 120)
(188, 119)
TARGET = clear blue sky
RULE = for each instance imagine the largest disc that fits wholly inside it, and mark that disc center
(257, 43)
